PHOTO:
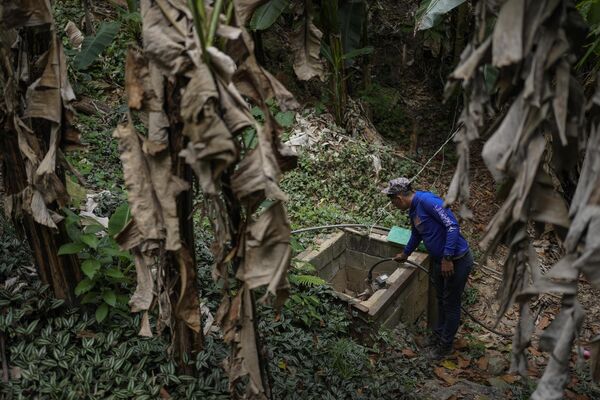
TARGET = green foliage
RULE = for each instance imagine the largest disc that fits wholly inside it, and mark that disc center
(430, 12)
(340, 186)
(352, 17)
(470, 296)
(349, 358)
(93, 46)
(307, 280)
(284, 118)
(590, 10)
(102, 262)
(476, 348)
(388, 116)
(266, 15)
(99, 162)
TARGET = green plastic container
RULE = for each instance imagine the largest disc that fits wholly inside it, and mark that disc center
(401, 236)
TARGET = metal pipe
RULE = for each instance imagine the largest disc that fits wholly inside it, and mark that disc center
(323, 227)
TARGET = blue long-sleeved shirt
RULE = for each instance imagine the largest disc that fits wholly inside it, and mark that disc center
(436, 226)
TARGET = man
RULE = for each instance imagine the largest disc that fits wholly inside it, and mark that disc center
(451, 259)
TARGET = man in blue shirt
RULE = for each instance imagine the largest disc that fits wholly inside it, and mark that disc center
(451, 259)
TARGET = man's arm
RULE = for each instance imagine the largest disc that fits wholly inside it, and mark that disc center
(413, 242)
(444, 217)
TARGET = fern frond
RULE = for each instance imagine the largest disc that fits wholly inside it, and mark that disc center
(307, 280)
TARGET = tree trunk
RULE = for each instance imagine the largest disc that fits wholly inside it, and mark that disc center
(61, 273)
(186, 341)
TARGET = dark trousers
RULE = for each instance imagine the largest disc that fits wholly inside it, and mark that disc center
(449, 292)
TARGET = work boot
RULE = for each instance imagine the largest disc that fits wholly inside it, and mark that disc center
(440, 352)
(431, 340)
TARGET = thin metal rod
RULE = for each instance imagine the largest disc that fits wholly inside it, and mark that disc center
(337, 226)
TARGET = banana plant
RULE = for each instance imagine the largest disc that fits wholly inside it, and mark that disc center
(430, 12)
(340, 39)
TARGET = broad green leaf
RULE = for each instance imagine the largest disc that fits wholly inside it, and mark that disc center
(352, 16)
(118, 220)
(71, 248)
(114, 273)
(72, 225)
(358, 52)
(122, 299)
(90, 267)
(77, 193)
(93, 46)
(109, 297)
(91, 240)
(84, 286)
(267, 14)
(249, 138)
(101, 312)
(285, 118)
(89, 297)
(114, 252)
(430, 12)
(93, 228)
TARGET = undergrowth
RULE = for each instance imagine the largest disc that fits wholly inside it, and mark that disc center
(58, 352)
(342, 186)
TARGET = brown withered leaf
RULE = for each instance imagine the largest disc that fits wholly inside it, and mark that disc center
(138, 182)
(211, 148)
(244, 356)
(408, 353)
(441, 373)
(166, 32)
(507, 47)
(166, 188)
(255, 82)
(26, 13)
(306, 45)
(158, 122)
(145, 329)
(244, 9)
(259, 171)
(144, 290)
(140, 92)
(74, 35)
(188, 305)
(267, 252)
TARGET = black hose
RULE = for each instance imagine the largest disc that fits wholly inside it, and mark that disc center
(415, 265)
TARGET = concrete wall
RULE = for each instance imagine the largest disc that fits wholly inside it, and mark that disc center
(344, 260)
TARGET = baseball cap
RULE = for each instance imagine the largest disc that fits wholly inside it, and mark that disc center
(397, 185)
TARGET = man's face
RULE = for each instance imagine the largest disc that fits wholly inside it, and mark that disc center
(401, 202)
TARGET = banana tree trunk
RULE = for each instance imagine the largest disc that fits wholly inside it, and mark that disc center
(36, 122)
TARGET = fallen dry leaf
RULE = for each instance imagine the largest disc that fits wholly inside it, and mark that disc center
(409, 353)
(164, 394)
(544, 322)
(534, 352)
(510, 378)
(463, 362)
(441, 373)
(461, 343)
(448, 365)
(482, 363)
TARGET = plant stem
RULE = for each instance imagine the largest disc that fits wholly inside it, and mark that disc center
(197, 7)
(214, 21)
(4, 362)
(228, 15)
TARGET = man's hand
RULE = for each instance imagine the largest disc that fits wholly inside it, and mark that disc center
(447, 268)
(400, 257)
